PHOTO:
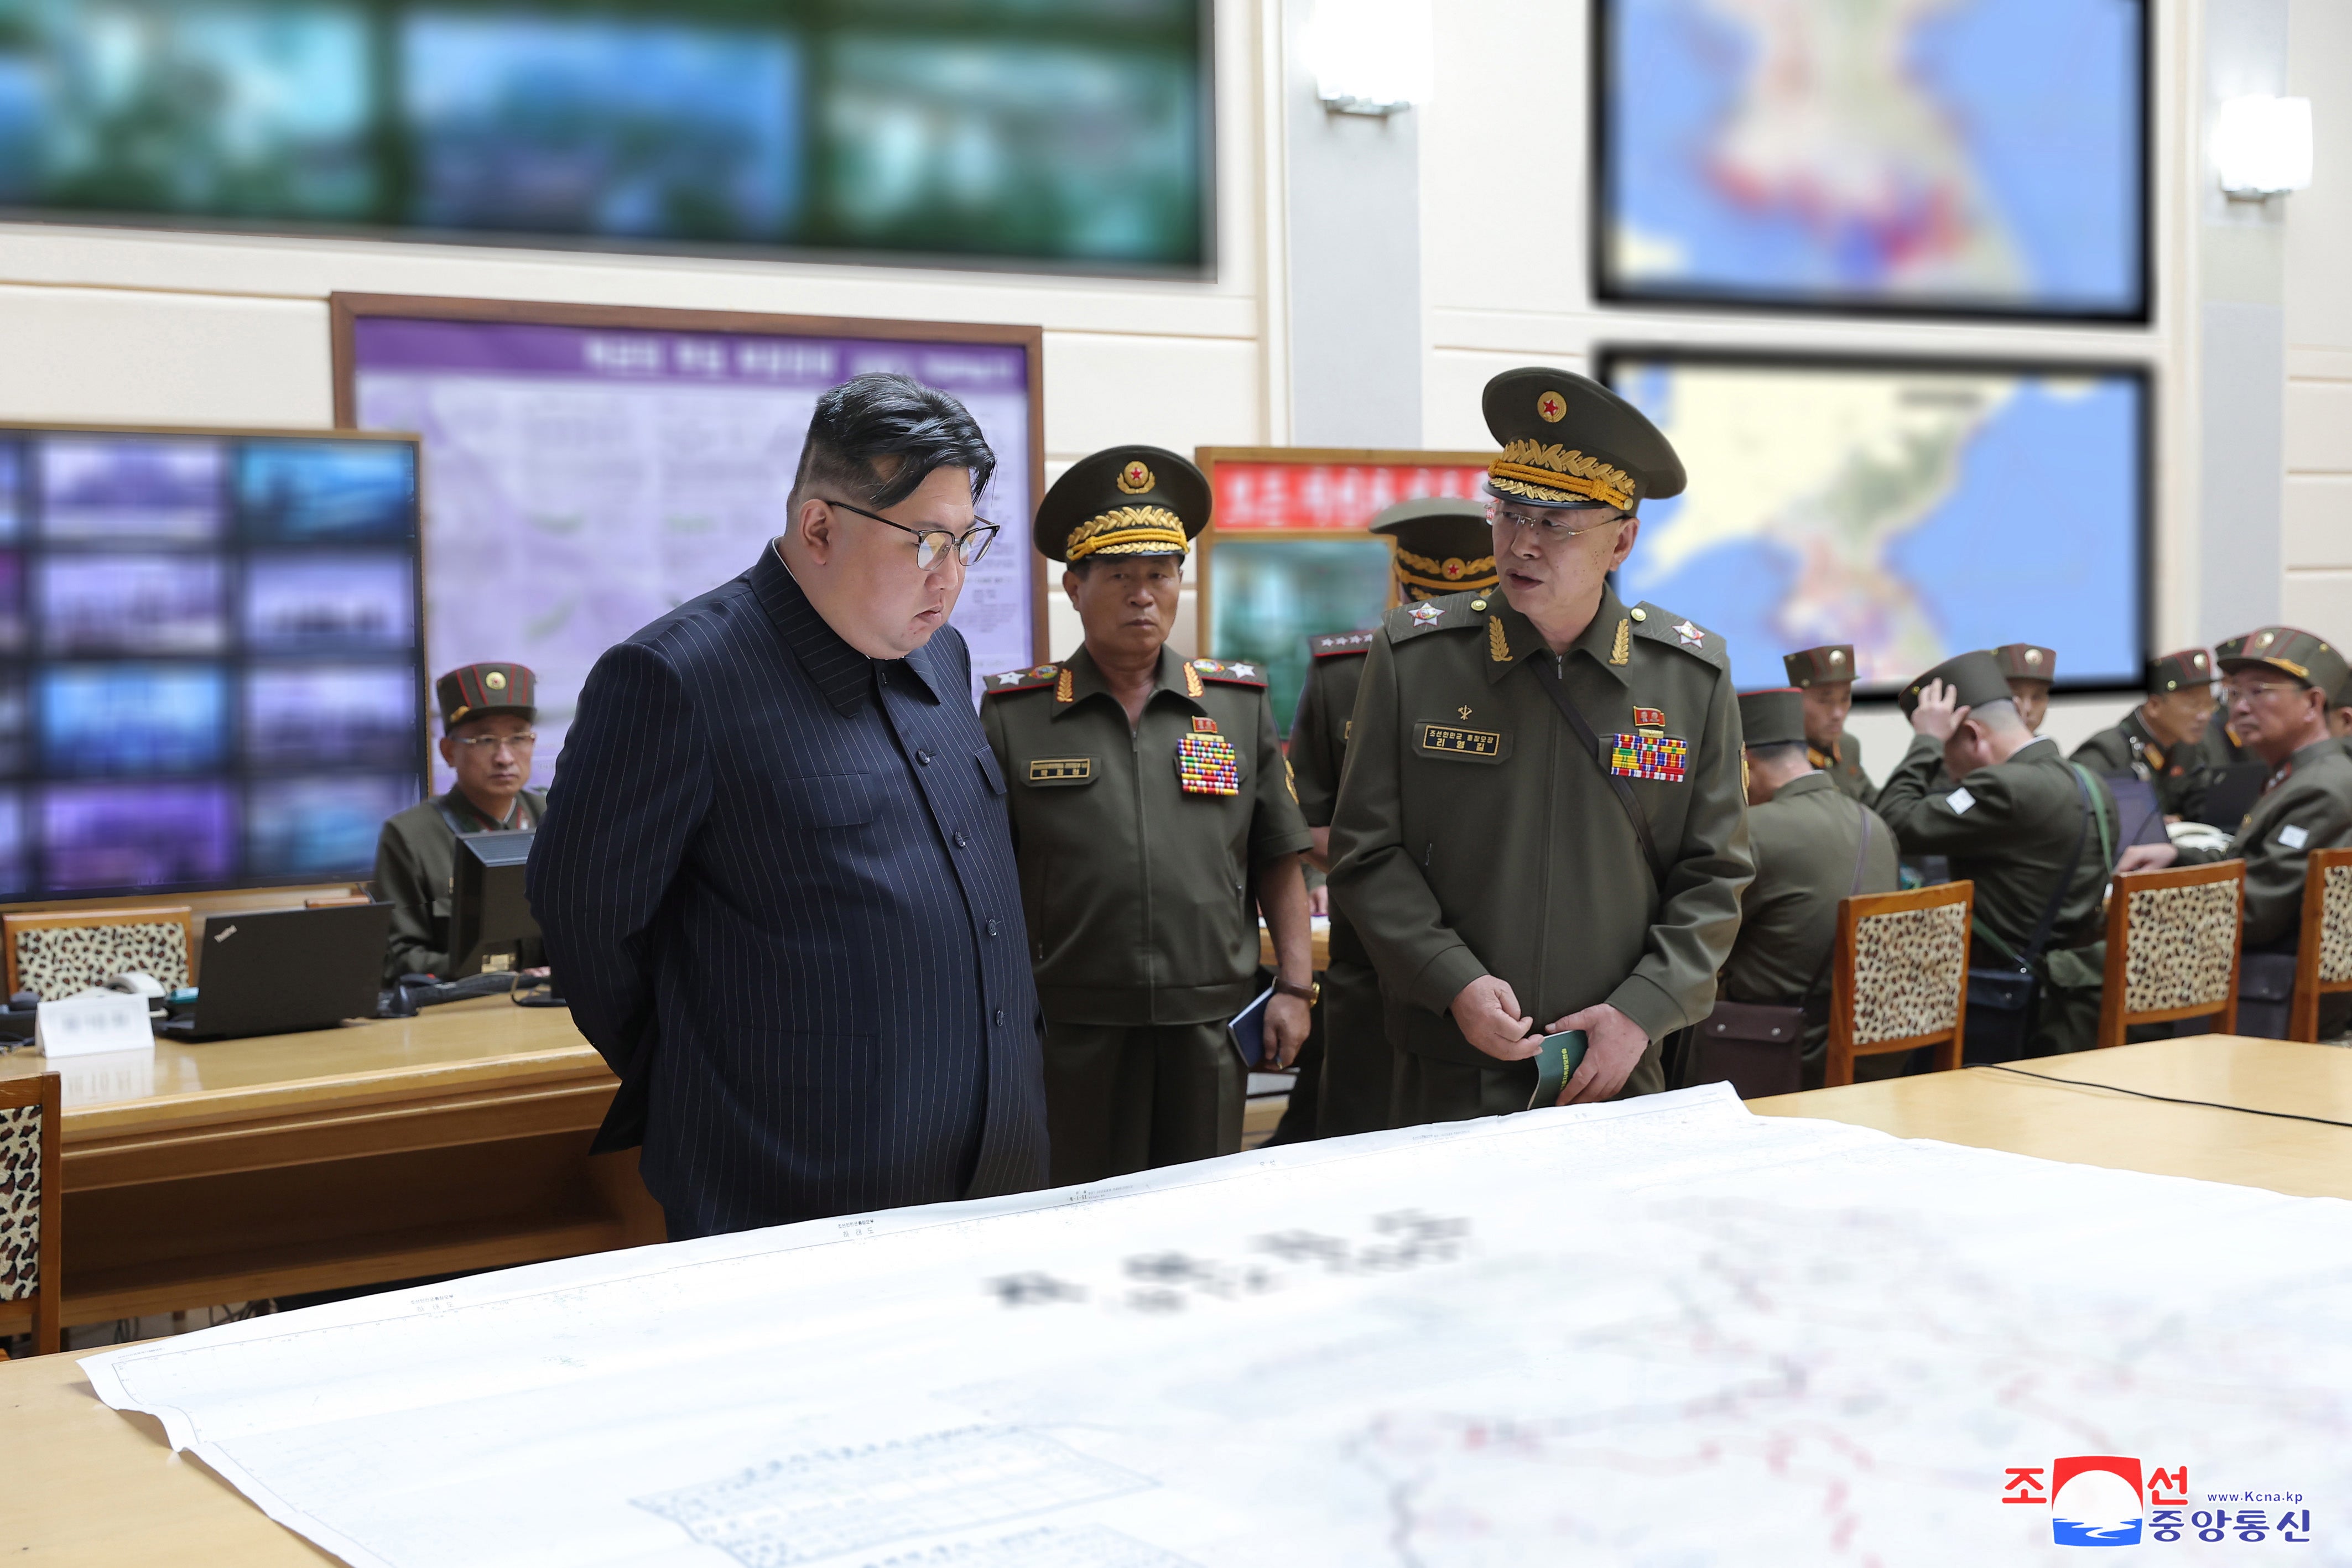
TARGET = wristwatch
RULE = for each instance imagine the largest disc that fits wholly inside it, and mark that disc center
(1310, 993)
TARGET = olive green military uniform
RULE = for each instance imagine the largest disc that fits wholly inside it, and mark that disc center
(1353, 1096)
(416, 861)
(1842, 759)
(1476, 834)
(2177, 772)
(1813, 847)
(2307, 806)
(2013, 829)
(1136, 850)
(1137, 847)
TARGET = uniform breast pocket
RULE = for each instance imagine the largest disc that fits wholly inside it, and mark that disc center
(1461, 743)
(812, 802)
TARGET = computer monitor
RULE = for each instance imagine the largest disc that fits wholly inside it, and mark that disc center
(490, 915)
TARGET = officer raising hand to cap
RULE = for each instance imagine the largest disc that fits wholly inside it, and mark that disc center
(1149, 793)
(1541, 826)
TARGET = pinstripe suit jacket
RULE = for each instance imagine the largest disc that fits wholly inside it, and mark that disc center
(776, 882)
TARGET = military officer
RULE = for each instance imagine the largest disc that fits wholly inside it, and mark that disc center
(1541, 825)
(486, 712)
(1825, 676)
(1442, 545)
(2161, 740)
(2279, 681)
(2223, 745)
(2016, 822)
(1152, 812)
(2029, 670)
(1813, 845)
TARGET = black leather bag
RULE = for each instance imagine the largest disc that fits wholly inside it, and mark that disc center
(2266, 994)
(1758, 1047)
(2003, 997)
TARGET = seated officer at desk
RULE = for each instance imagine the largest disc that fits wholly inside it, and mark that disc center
(486, 713)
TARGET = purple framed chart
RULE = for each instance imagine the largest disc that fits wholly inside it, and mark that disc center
(587, 468)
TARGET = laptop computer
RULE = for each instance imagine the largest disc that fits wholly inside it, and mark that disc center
(2141, 814)
(287, 970)
(2234, 789)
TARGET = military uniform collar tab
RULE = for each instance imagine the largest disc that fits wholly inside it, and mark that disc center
(1609, 639)
(1511, 637)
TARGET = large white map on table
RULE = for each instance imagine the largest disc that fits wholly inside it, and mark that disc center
(580, 482)
(1660, 1331)
(1915, 511)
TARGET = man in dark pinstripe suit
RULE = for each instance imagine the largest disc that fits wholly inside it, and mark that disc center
(775, 877)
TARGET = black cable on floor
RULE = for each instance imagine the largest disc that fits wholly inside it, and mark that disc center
(2167, 1099)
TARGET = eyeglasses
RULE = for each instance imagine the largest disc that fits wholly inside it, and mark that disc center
(1545, 529)
(2256, 691)
(490, 745)
(931, 544)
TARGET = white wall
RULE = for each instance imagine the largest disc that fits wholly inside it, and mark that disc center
(2317, 535)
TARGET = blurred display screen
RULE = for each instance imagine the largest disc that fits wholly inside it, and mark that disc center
(1031, 129)
(1972, 156)
(214, 679)
(1268, 595)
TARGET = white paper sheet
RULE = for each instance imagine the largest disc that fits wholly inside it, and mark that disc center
(1659, 1332)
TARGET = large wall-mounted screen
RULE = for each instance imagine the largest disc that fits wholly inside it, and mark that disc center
(1914, 508)
(1984, 157)
(210, 671)
(1053, 131)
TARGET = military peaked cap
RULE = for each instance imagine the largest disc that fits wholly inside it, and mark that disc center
(1975, 676)
(2173, 671)
(2026, 662)
(1568, 441)
(1829, 662)
(1774, 716)
(1444, 544)
(2294, 652)
(1123, 500)
(477, 691)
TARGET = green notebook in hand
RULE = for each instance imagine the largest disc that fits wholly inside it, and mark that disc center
(1557, 1060)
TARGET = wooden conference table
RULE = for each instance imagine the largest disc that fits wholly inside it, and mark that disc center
(252, 1168)
(89, 1486)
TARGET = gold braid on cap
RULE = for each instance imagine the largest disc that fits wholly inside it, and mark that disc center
(1130, 531)
(1445, 575)
(1541, 472)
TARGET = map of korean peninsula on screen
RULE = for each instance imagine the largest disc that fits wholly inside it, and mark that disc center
(1972, 155)
(1914, 512)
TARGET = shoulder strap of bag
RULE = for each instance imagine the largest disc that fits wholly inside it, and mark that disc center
(1548, 675)
(2098, 798)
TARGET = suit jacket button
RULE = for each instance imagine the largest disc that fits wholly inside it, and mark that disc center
(993, 927)
(961, 840)
(1000, 1017)
(924, 757)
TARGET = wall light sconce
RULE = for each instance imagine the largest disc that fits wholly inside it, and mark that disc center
(2262, 146)
(1369, 56)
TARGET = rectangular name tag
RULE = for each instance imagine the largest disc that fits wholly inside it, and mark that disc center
(2293, 837)
(1959, 801)
(1061, 770)
(92, 1022)
(1469, 745)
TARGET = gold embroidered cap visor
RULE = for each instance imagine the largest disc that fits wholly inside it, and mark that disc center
(1123, 501)
(1444, 545)
(1568, 441)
